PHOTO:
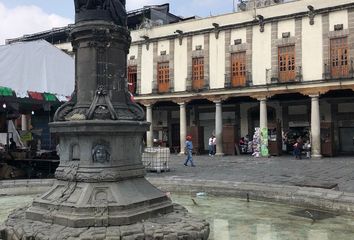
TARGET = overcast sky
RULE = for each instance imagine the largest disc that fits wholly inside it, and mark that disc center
(19, 17)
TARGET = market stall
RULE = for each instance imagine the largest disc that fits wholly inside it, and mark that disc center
(36, 78)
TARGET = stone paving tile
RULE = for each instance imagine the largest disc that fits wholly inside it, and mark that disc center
(283, 170)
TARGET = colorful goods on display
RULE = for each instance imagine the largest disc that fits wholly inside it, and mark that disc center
(264, 142)
(48, 97)
(256, 143)
(260, 142)
(6, 92)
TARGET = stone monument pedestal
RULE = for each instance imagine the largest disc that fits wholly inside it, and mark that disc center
(176, 225)
(101, 191)
(100, 177)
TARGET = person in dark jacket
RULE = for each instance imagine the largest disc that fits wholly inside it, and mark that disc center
(13, 145)
(298, 148)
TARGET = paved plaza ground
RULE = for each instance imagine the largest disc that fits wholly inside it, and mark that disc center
(285, 170)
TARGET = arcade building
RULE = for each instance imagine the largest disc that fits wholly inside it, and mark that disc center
(286, 66)
(282, 65)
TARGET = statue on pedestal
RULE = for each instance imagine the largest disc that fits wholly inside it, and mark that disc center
(116, 8)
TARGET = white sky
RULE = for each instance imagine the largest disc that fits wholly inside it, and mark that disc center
(20, 20)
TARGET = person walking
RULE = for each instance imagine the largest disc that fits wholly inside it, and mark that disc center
(298, 148)
(211, 145)
(189, 150)
(214, 146)
(307, 147)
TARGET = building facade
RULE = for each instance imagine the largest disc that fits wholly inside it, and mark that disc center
(287, 67)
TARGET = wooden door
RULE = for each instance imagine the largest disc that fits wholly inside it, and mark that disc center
(339, 57)
(286, 60)
(238, 69)
(163, 77)
(198, 73)
(229, 139)
(132, 78)
(197, 134)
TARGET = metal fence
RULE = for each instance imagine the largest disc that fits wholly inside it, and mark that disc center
(156, 159)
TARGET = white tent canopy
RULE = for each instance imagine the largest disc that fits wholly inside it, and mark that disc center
(36, 66)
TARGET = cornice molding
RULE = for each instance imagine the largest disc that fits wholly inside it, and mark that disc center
(250, 23)
(255, 93)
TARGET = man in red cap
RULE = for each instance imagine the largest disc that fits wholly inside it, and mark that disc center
(189, 149)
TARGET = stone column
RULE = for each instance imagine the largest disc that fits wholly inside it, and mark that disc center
(263, 117)
(218, 128)
(24, 126)
(315, 127)
(149, 134)
(182, 126)
(263, 124)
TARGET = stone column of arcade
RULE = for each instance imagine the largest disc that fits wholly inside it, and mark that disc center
(218, 128)
(263, 124)
(315, 127)
(149, 133)
(182, 125)
(100, 190)
(24, 125)
(263, 116)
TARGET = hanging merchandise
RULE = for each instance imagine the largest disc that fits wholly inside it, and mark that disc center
(264, 142)
(256, 146)
(49, 97)
(22, 94)
(35, 95)
(62, 98)
(6, 92)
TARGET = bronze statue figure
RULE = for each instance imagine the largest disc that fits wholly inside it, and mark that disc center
(116, 9)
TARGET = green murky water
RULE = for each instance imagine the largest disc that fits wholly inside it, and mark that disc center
(234, 219)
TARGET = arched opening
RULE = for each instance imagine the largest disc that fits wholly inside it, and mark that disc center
(337, 122)
(75, 152)
(165, 115)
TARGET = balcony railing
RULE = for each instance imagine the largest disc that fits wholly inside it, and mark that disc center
(338, 72)
(273, 76)
(190, 87)
(230, 84)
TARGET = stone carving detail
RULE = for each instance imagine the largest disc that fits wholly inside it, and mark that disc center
(101, 106)
(166, 227)
(110, 10)
(66, 108)
(311, 14)
(101, 154)
(103, 175)
(68, 172)
(74, 154)
(261, 22)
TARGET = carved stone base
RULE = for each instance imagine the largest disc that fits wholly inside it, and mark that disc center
(100, 178)
(176, 225)
(81, 204)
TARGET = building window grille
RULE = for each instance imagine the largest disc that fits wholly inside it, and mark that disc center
(163, 77)
(238, 69)
(286, 61)
(198, 73)
(132, 78)
(339, 57)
